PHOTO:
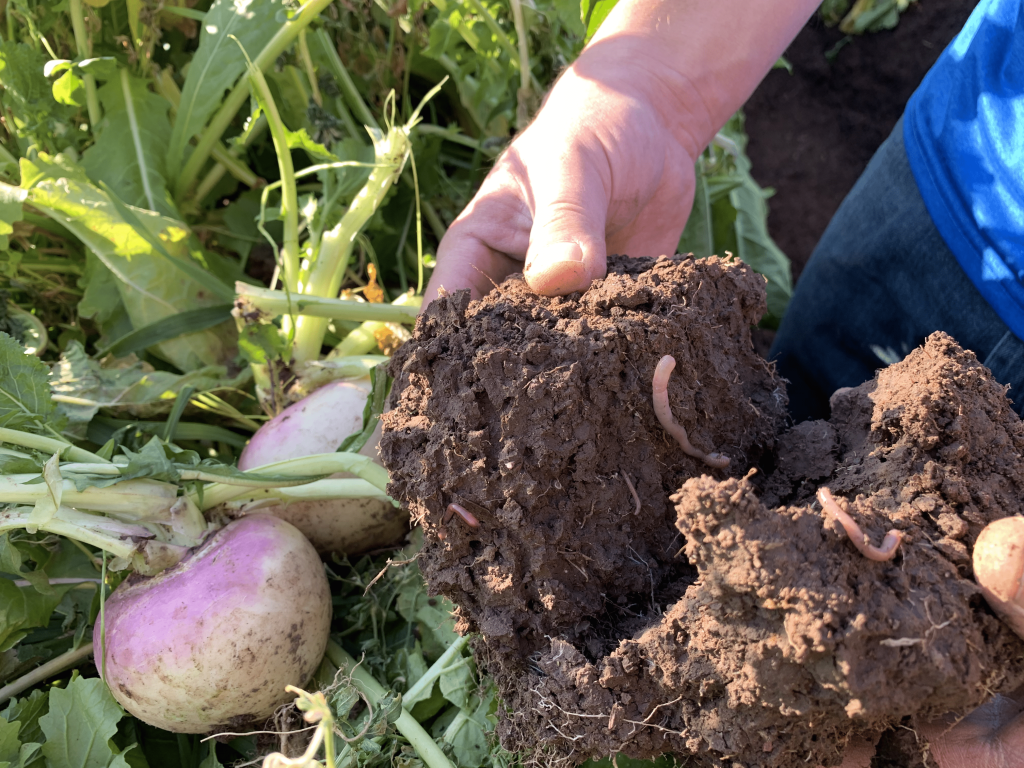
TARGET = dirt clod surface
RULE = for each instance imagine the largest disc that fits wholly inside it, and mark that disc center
(739, 626)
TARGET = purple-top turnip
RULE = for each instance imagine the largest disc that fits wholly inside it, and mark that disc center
(318, 424)
(212, 642)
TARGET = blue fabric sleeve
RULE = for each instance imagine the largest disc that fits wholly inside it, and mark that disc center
(964, 137)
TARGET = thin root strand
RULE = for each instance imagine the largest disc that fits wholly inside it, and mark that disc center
(659, 392)
(890, 543)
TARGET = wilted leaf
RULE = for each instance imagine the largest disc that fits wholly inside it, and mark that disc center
(126, 386)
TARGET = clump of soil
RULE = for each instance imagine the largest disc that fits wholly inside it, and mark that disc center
(535, 414)
(739, 627)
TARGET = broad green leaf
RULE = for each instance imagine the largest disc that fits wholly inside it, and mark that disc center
(217, 65)
(101, 301)
(151, 287)
(593, 13)
(27, 711)
(27, 93)
(24, 608)
(82, 719)
(11, 562)
(129, 154)
(10, 744)
(127, 386)
(25, 402)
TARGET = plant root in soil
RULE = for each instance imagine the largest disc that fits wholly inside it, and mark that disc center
(733, 628)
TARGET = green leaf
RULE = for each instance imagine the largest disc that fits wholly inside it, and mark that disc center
(11, 200)
(69, 89)
(217, 65)
(23, 608)
(300, 140)
(380, 385)
(25, 402)
(170, 328)
(82, 719)
(10, 744)
(129, 154)
(27, 711)
(593, 13)
(154, 283)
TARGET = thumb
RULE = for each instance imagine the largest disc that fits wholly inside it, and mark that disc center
(567, 248)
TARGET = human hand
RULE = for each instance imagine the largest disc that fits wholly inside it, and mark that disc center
(599, 161)
(992, 736)
(607, 165)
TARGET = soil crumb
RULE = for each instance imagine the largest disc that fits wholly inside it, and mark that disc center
(738, 627)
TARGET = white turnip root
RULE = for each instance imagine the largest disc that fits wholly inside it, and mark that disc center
(318, 424)
(212, 642)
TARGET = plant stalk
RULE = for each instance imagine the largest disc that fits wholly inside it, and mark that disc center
(234, 101)
(84, 46)
(428, 750)
(54, 666)
(328, 271)
(289, 194)
(317, 464)
(277, 303)
(345, 83)
(437, 669)
(48, 445)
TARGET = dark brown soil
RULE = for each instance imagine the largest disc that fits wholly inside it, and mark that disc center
(741, 627)
(813, 132)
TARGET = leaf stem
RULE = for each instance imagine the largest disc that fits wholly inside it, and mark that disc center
(428, 750)
(317, 464)
(230, 106)
(344, 81)
(49, 445)
(289, 195)
(54, 666)
(307, 64)
(278, 303)
(437, 669)
(84, 46)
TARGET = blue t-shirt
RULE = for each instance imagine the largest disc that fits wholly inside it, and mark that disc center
(964, 133)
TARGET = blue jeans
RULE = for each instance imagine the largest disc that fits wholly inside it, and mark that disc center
(879, 281)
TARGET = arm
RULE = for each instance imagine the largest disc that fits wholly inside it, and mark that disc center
(608, 162)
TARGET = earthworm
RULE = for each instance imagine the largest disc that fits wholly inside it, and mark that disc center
(659, 392)
(880, 554)
(468, 517)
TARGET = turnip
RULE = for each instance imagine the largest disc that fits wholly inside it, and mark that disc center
(214, 640)
(318, 424)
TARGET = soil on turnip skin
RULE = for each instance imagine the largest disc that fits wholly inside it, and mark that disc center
(728, 620)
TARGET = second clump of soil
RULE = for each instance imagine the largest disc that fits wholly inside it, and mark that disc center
(718, 626)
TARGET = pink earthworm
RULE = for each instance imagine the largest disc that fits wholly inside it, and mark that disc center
(468, 517)
(890, 543)
(659, 391)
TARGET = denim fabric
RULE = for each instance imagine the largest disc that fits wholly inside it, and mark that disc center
(879, 281)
